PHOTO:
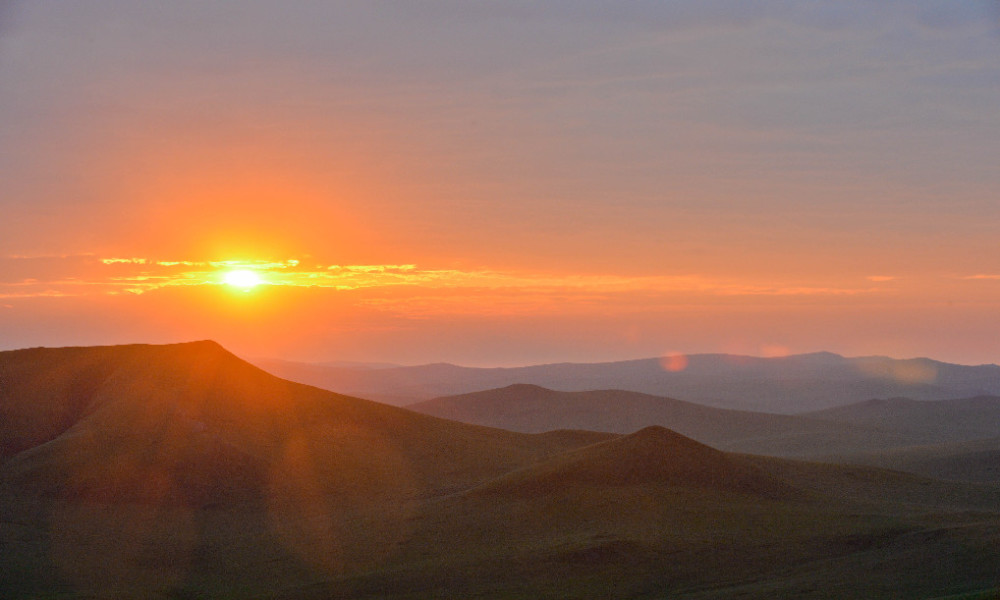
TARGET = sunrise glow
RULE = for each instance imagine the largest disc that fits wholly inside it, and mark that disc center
(291, 291)
(243, 279)
(641, 177)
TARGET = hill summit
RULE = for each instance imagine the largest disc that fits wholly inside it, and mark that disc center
(651, 456)
(191, 422)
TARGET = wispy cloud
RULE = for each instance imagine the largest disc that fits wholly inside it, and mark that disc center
(87, 275)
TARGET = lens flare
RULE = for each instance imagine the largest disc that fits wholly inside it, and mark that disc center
(673, 362)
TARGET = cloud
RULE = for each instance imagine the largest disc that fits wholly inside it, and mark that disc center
(89, 275)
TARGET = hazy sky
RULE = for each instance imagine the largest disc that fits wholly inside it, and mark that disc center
(503, 182)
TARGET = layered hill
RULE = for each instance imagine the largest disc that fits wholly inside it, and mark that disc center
(975, 460)
(530, 408)
(956, 439)
(151, 440)
(791, 384)
(652, 455)
(178, 410)
(939, 421)
(181, 471)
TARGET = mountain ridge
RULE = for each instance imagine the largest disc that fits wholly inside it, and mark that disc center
(530, 408)
(191, 392)
(789, 385)
(183, 471)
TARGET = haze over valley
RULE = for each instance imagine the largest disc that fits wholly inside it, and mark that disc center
(789, 384)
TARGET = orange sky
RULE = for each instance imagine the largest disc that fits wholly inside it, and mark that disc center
(503, 183)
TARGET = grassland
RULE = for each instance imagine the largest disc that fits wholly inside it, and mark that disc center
(182, 472)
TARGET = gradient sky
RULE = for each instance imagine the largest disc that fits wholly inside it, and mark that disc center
(500, 183)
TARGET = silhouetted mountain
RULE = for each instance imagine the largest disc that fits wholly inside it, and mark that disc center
(531, 408)
(792, 384)
(653, 455)
(181, 471)
(169, 411)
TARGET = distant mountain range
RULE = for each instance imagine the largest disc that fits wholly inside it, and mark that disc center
(861, 428)
(181, 471)
(793, 384)
(533, 409)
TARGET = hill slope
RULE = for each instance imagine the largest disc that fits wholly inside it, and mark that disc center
(199, 406)
(189, 448)
(976, 460)
(652, 455)
(180, 471)
(932, 421)
(530, 408)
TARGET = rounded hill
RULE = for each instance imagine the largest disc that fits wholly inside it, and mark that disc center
(651, 456)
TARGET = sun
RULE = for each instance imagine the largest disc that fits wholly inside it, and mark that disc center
(243, 279)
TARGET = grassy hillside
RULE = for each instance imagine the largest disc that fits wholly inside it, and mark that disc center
(195, 407)
(180, 472)
(190, 448)
(977, 460)
(954, 420)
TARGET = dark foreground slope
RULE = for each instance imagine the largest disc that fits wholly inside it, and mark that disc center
(222, 475)
(180, 471)
(185, 410)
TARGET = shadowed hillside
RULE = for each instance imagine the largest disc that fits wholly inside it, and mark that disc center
(790, 384)
(955, 439)
(173, 430)
(653, 455)
(181, 471)
(531, 408)
(930, 421)
(172, 412)
(977, 460)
